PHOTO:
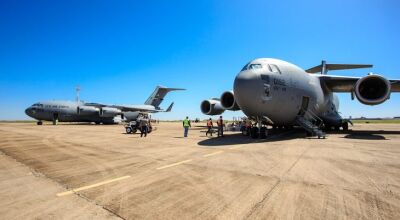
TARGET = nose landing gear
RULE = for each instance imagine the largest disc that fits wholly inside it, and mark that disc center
(254, 132)
(259, 130)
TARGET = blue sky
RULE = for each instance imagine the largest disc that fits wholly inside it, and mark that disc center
(118, 51)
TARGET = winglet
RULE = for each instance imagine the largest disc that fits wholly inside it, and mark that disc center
(324, 67)
(169, 107)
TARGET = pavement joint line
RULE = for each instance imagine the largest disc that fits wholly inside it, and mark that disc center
(236, 147)
(174, 164)
(91, 186)
(212, 154)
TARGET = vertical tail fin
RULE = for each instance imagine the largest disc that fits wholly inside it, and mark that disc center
(158, 95)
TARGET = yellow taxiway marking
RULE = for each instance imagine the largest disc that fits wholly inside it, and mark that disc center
(174, 164)
(236, 147)
(212, 154)
(91, 186)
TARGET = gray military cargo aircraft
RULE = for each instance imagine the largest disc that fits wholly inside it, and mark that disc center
(274, 92)
(78, 111)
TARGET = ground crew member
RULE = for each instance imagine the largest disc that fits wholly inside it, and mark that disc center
(209, 126)
(186, 125)
(248, 126)
(220, 124)
(144, 123)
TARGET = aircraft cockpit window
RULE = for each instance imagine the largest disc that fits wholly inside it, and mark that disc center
(274, 68)
(245, 67)
(255, 66)
(37, 105)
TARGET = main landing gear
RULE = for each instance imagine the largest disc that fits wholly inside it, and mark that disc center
(39, 123)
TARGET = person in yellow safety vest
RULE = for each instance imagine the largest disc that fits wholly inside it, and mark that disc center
(186, 125)
(220, 124)
(209, 126)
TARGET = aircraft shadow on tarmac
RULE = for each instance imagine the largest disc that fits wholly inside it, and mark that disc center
(238, 138)
(368, 134)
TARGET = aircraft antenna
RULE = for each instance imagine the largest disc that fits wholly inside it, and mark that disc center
(78, 90)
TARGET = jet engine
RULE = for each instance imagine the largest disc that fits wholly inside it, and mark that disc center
(109, 112)
(87, 110)
(228, 101)
(372, 90)
(211, 107)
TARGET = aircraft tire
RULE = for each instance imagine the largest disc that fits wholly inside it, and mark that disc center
(39, 123)
(254, 132)
(245, 131)
(263, 133)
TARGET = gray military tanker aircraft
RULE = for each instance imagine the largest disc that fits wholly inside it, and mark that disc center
(274, 92)
(78, 111)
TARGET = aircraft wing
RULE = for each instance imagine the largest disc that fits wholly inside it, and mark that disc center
(347, 83)
(129, 108)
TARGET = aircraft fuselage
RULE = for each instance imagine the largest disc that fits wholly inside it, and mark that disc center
(280, 90)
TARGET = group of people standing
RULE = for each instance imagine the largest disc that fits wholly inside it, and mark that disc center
(220, 127)
(144, 124)
(210, 126)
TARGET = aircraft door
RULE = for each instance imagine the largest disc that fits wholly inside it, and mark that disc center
(55, 118)
(266, 95)
(304, 105)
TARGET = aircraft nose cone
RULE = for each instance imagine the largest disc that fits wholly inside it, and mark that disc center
(246, 87)
(28, 111)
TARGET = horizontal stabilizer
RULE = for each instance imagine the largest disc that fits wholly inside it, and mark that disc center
(320, 68)
(169, 107)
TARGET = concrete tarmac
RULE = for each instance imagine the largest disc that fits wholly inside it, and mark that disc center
(99, 172)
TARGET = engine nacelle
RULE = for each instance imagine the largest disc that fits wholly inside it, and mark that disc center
(228, 101)
(109, 112)
(87, 110)
(372, 90)
(211, 107)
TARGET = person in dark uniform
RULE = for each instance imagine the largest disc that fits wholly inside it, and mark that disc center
(220, 124)
(144, 126)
